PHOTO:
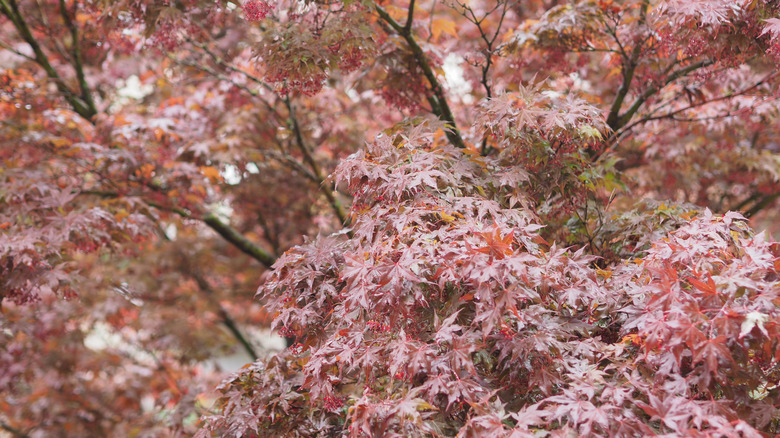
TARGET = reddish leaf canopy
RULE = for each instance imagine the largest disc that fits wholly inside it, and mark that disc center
(526, 216)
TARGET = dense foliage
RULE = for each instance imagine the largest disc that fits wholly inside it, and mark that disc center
(532, 218)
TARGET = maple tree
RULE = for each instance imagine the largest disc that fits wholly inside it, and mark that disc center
(532, 217)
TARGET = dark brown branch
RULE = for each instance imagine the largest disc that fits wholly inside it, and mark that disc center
(628, 75)
(442, 109)
(10, 9)
(762, 203)
(409, 18)
(614, 120)
(327, 189)
(228, 233)
(270, 235)
(292, 163)
(749, 200)
(671, 114)
(16, 52)
(215, 223)
(315, 174)
(12, 430)
(622, 120)
(227, 79)
(237, 239)
(206, 288)
(78, 63)
(227, 320)
(217, 59)
(488, 51)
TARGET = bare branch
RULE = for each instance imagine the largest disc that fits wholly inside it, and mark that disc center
(227, 320)
(671, 114)
(217, 59)
(327, 189)
(628, 75)
(215, 223)
(409, 18)
(237, 239)
(10, 9)
(442, 108)
(12, 430)
(16, 52)
(623, 119)
(78, 63)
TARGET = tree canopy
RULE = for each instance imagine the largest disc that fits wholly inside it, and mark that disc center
(468, 218)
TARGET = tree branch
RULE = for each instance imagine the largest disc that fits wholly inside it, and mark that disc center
(695, 105)
(488, 51)
(16, 52)
(326, 189)
(745, 203)
(217, 59)
(762, 203)
(626, 117)
(238, 240)
(409, 18)
(229, 322)
(291, 162)
(270, 235)
(78, 63)
(206, 288)
(10, 9)
(628, 76)
(226, 231)
(316, 173)
(227, 79)
(442, 110)
(12, 430)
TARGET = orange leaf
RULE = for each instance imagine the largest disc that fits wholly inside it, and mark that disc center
(605, 274)
(442, 25)
(632, 339)
(396, 13)
(212, 173)
(709, 287)
(145, 171)
(447, 217)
